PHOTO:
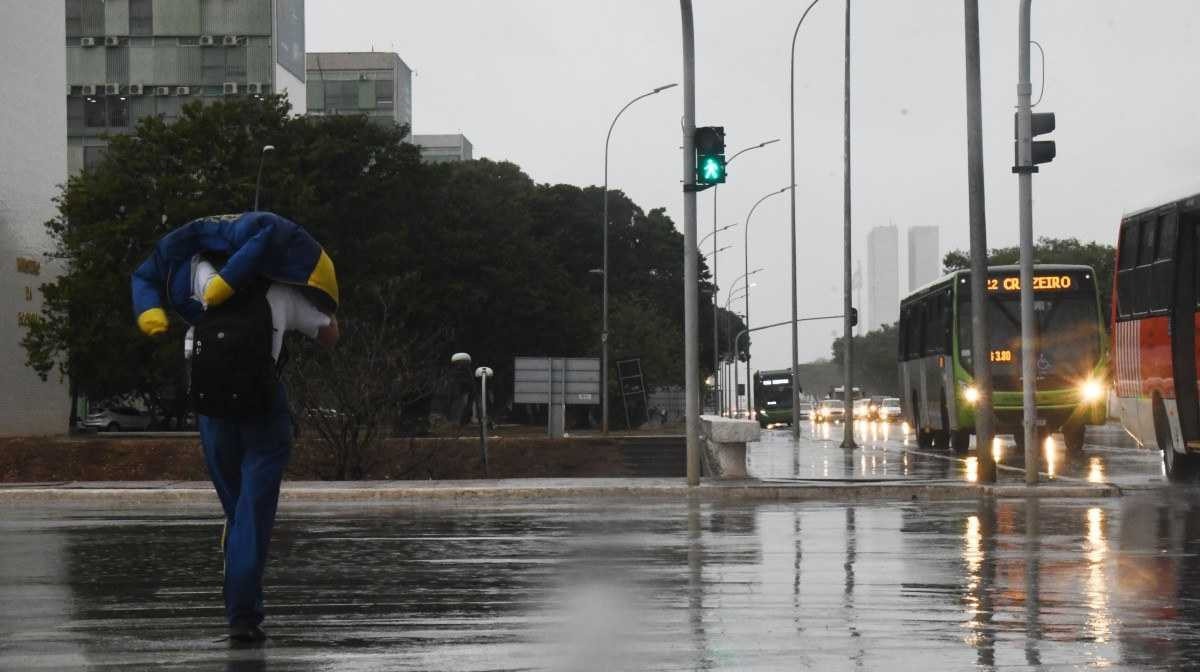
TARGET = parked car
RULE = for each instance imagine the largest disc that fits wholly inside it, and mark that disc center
(889, 410)
(831, 410)
(117, 419)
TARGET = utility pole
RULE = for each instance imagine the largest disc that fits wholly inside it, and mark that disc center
(980, 347)
(691, 328)
(848, 350)
(1025, 169)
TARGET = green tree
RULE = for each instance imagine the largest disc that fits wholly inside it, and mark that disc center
(875, 367)
(1099, 256)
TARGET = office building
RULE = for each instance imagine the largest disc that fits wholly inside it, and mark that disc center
(883, 276)
(377, 84)
(924, 256)
(129, 59)
(33, 142)
(444, 148)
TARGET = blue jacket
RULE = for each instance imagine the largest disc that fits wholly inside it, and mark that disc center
(256, 244)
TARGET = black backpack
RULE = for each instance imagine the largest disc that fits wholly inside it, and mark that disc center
(232, 372)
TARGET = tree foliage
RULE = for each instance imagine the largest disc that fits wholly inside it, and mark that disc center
(875, 367)
(1099, 256)
(474, 249)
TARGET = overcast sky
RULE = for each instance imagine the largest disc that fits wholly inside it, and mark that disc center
(537, 82)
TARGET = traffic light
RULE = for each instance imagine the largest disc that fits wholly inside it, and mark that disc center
(1043, 151)
(853, 316)
(709, 142)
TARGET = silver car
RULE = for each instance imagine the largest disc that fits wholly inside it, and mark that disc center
(117, 419)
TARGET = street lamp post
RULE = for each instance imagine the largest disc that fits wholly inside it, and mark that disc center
(262, 158)
(714, 233)
(792, 180)
(746, 262)
(604, 271)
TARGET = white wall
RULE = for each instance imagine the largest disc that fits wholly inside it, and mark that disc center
(33, 163)
(297, 93)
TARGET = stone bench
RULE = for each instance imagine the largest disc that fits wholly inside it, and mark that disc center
(724, 447)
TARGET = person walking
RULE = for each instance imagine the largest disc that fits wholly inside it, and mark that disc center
(237, 317)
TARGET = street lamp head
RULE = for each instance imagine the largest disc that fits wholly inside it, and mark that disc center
(460, 358)
(483, 372)
(268, 148)
(596, 271)
(664, 87)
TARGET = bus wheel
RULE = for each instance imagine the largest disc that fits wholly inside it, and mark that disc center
(1180, 468)
(1073, 434)
(960, 440)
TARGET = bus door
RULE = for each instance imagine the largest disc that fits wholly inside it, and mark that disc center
(1179, 273)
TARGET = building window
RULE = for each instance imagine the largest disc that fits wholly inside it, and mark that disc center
(74, 114)
(212, 66)
(385, 91)
(74, 20)
(141, 17)
(93, 112)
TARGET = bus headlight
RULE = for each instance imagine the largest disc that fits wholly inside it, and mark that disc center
(971, 395)
(1091, 390)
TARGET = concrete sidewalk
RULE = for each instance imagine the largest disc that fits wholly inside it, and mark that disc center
(367, 492)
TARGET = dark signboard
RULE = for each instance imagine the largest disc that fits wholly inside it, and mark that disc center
(289, 36)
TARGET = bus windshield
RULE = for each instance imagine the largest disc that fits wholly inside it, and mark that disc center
(1068, 329)
(774, 393)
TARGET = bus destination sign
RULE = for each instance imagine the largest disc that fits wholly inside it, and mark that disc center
(1041, 283)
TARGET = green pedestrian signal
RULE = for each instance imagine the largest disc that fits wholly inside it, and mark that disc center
(713, 169)
(709, 142)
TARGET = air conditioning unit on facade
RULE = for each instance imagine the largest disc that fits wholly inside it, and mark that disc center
(207, 41)
(137, 89)
(162, 91)
(230, 40)
(87, 41)
(112, 41)
(183, 90)
(254, 88)
(112, 89)
(230, 88)
(88, 89)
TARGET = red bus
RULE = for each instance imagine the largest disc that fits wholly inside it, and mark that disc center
(1156, 294)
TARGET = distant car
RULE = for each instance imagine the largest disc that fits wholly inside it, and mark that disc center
(117, 419)
(862, 409)
(889, 410)
(831, 410)
(806, 410)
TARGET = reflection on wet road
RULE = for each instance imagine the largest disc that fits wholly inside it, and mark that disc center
(620, 586)
(887, 451)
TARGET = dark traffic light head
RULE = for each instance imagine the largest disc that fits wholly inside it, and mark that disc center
(709, 142)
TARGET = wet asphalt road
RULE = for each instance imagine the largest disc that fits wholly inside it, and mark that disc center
(886, 453)
(621, 586)
(628, 585)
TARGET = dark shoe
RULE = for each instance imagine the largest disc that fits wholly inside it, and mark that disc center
(246, 634)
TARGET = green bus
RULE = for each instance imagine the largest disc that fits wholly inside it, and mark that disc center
(935, 358)
(773, 397)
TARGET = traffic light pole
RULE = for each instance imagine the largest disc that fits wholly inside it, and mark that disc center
(980, 347)
(691, 329)
(1024, 169)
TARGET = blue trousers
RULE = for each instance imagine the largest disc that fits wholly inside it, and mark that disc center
(246, 459)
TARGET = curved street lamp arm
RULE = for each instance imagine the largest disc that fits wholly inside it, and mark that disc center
(759, 145)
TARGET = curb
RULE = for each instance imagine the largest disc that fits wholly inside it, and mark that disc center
(394, 492)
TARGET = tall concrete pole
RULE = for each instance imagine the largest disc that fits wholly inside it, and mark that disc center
(792, 182)
(848, 352)
(980, 347)
(691, 328)
(1024, 172)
